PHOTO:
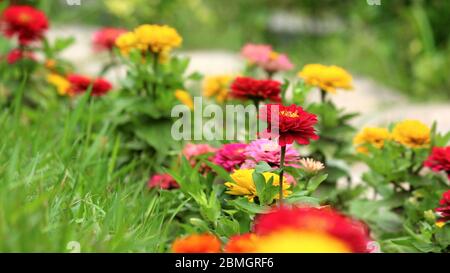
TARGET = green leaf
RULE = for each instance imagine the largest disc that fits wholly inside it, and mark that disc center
(243, 204)
(315, 181)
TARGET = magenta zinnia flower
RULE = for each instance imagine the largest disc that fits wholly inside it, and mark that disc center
(230, 156)
(163, 181)
(269, 151)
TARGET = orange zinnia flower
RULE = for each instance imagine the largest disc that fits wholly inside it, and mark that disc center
(197, 243)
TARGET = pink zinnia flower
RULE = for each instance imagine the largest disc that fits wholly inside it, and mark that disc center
(269, 151)
(163, 181)
(256, 54)
(277, 62)
(230, 156)
(266, 58)
(193, 152)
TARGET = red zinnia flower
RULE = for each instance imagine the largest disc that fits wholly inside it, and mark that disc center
(105, 38)
(444, 209)
(292, 124)
(17, 55)
(439, 160)
(80, 84)
(164, 181)
(323, 224)
(257, 90)
(26, 22)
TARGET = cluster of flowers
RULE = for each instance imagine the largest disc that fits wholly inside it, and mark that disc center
(410, 133)
(288, 230)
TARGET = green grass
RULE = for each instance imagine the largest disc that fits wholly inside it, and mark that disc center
(59, 183)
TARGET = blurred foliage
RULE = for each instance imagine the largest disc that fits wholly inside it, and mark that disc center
(403, 43)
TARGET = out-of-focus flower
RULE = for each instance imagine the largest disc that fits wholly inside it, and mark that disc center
(80, 84)
(244, 185)
(374, 136)
(439, 160)
(126, 42)
(265, 150)
(264, 57)
(256, 54)
(157, 38)
(328, 78)
(163, 181)
(230, 156)
(105, 38)
(412, 134)
(50, 64)
(306, 230)
(311, 166)
(16, 55)
(444, 209)
(197, 243)
(241, 243)
(61, 84)
(291, 124)
(184, 97)
(194, 152)
(217, 87)
(247, 88)
(25, 22)
(277, 62)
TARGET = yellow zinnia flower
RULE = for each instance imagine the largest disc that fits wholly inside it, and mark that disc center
(217, 87)
(62, 84)
(157, 38)
(243, 183)
(328, 78)
(185, 98)
(126, 42)
(374, 136)
(412, 133)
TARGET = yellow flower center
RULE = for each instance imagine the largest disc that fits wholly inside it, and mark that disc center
(289, 114)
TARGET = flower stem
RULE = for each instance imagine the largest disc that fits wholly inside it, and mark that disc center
(323, 95)
(282, 155)
(155, 71)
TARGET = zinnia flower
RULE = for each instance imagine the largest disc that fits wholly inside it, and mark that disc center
(310, 165)
(157, 38)
(266, 58)
(61, 84)
(439, 160)
(241, 243)
(328, 78)
(16, 55)
(184, 97)
(126, 42)
(217, 87)
(256, 54)
(412, 134)
(105, 38)
(265, 150)
(197, 243)
(80, 84)
(244, 185)
(25, 22)
(305, 230)
(194, 152)
(291, 124)
(163, 181)
(371, 136)
(247, 88)
(230, 156)
(444, 209)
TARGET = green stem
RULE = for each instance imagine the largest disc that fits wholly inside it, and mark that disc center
(323, 95)
(155, 72)
(282, 155)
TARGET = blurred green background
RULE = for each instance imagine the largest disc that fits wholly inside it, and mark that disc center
(403, 44)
